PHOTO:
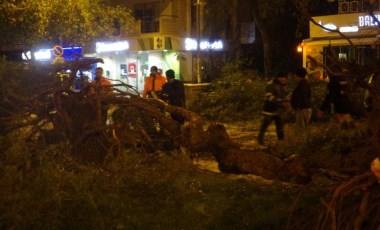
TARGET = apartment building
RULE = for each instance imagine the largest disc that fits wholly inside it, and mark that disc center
(164, 37)
(355, 23)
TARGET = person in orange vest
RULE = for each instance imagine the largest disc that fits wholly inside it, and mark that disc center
(100, 81)
(102, 88)
(153, 82)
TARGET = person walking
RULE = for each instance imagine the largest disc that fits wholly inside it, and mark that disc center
(300, 100)
(175, 93)
(276, 95)
(153, 83)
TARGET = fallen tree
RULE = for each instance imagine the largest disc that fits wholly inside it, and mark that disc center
(96, 126)
(100, 125)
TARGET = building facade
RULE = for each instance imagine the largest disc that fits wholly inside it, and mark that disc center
(163, 38)
(360, 42)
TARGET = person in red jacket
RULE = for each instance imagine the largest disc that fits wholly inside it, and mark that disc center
(153, 82)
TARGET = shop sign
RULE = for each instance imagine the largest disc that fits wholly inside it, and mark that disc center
(343, 29)
(368, 20)
(103, 47)
(192, 44)
(43, 54)
(158, 43)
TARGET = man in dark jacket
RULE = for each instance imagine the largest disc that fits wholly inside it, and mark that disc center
(337, 101)
(276, 95)
(175, 93)
(301, 100)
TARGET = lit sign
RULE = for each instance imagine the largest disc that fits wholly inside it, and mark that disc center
(328, 26)
(348, 29)
(217, 45)
(343, 29)
(72, 53)
(102, 47)
(69, 53)
(368, 20)
(44, 54)
(27, 55)
(191, 44)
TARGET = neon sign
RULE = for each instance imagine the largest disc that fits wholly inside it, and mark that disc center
(43, 54)
(344, 29)
(69, 54)
(328, 26)
(102, 47)
(192, 44)
(368, 20)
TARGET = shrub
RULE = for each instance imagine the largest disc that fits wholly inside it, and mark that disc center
(237, 95)
(46, 189)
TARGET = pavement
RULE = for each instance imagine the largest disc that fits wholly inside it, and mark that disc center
(243, 133)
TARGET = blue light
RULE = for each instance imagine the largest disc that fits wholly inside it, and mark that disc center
(72, 53)
(69, 54)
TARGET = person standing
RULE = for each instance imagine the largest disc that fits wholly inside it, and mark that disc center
(101, 83)
(102, 88)
(175, 91)
(154, 83)
(300, 100)
(337, 100)
(276, 95)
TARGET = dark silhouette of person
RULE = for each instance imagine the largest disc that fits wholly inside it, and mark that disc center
(337, 100)
(276, 95)
(175, 94)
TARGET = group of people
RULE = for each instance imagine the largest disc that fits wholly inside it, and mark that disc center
(277, 99)
(166, 88)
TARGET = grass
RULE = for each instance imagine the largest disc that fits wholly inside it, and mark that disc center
(47, 189)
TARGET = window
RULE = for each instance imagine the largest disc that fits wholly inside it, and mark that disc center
(354, 6)
(368, 4)
(148, 14)
(344, 7)
(363, 55)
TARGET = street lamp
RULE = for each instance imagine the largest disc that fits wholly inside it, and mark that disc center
(299, 48)
(199, 16)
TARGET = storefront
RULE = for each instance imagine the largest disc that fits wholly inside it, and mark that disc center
(359, 28)
(130, 60)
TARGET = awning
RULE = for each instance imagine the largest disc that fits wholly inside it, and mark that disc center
(155, 43)
(340, 41)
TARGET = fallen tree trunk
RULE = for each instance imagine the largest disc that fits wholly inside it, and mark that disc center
(232, 159)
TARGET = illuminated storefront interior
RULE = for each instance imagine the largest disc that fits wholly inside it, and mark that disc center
(130, 60)
(360, 28)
